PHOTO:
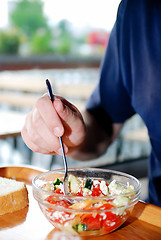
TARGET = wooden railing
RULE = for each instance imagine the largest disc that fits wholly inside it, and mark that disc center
(24, 92)
(12, 62)
(20, 92)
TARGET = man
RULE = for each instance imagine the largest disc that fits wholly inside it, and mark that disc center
(130, 82)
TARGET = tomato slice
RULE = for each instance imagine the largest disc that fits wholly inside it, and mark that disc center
(80, 193)
(62, 203)
(58, 191)
(92, 223)
(106, 206)
(61, 218)
(111, 222)
(96, 191)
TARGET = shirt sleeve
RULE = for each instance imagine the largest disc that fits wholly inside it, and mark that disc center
(111, 92)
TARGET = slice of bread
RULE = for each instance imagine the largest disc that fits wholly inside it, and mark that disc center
(13, 195)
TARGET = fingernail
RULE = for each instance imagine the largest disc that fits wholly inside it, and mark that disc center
(59, 105)
(57, 131)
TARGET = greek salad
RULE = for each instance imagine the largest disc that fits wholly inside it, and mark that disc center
(102, 206)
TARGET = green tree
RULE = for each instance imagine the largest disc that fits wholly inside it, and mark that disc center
(28, 17)
(9, 42)
(41, 42)
(64, 40)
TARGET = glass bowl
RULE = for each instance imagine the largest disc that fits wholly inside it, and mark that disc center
(88, 214)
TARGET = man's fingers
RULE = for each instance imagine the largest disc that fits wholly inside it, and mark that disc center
(37, 135)
(48, 114)
(44, 132)
(34, 147)
(72, 120)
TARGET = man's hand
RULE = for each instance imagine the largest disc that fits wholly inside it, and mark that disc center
(47, 121)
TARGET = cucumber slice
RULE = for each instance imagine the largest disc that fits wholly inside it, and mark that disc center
(80, 227)
(74, 183)
(57, 182)
(88, 184)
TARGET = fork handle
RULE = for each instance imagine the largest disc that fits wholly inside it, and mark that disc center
(60, 139)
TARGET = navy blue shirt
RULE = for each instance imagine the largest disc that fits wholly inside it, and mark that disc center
(130, 78)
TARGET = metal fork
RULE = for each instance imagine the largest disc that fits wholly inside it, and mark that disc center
(65, 180)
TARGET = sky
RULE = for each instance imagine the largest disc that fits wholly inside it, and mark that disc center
(94, 13)
(3, 13)
(81, 13)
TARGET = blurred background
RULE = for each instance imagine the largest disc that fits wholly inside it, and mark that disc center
(63, 41)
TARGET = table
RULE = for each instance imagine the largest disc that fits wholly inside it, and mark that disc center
(29, 223)
(11, 123)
